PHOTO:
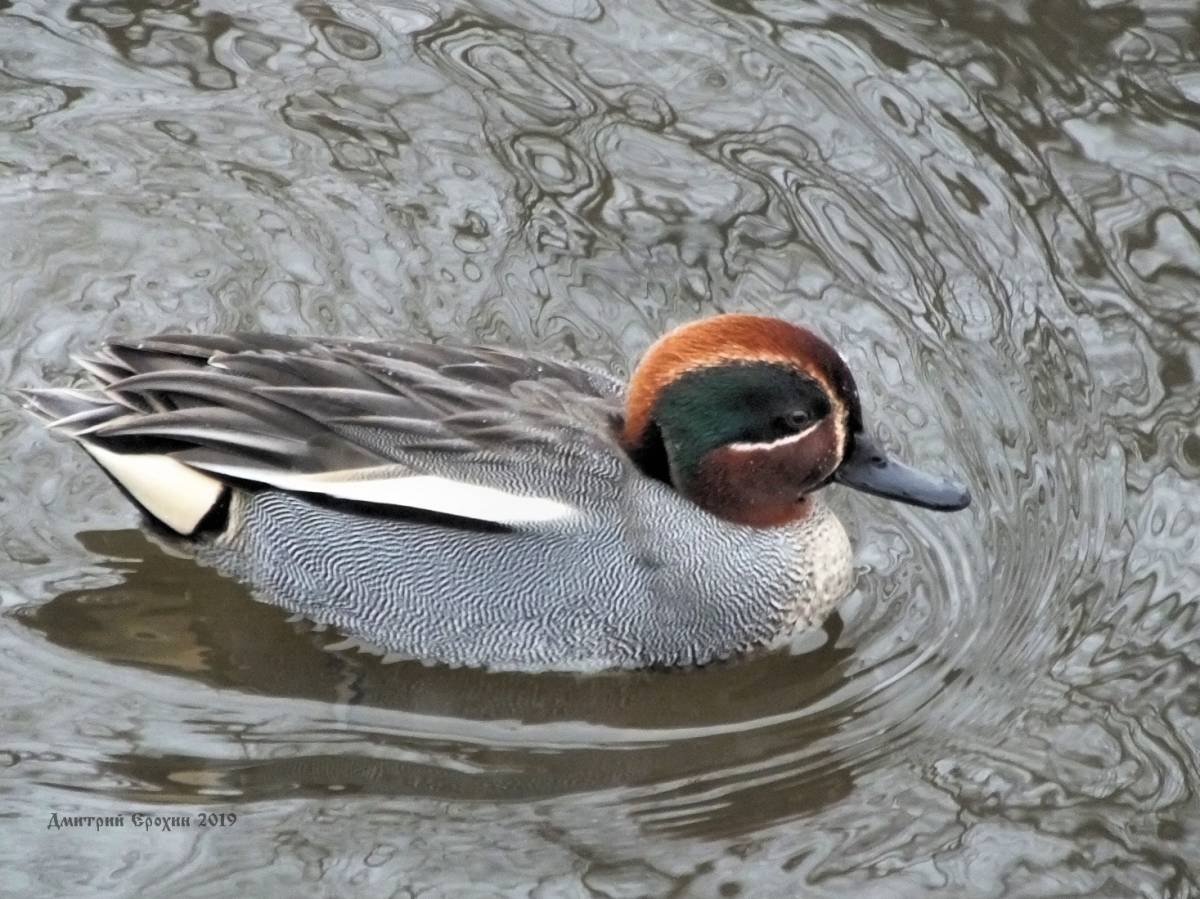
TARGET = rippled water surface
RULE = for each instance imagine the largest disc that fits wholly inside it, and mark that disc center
(993, 208)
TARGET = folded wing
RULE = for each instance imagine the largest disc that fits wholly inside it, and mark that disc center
(475, 433)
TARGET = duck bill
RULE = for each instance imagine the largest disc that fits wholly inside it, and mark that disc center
(869, 469)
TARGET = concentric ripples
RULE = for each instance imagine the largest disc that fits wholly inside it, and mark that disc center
(990, 207)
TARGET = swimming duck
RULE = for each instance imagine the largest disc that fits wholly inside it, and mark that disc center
(477, 506)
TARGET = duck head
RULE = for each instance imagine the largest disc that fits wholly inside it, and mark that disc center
(747, 415)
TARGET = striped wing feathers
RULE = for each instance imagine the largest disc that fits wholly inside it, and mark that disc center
(473, 433)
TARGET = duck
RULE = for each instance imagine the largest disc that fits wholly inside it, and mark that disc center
(480, 506)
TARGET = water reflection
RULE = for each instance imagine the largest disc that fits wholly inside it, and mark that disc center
(454, 732)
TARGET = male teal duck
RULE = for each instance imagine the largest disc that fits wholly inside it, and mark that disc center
(484, 507)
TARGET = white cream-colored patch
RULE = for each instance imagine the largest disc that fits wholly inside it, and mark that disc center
(175, 494)
(832, 558)
(388, 486)
(825, 565)
(841, 415)
(749, 447)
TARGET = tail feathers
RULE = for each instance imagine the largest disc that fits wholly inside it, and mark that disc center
(104, 367)
(169, 491)
(60, 406)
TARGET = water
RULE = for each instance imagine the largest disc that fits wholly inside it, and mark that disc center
(991, 207)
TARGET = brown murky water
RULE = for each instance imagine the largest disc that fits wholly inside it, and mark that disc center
(992, 207)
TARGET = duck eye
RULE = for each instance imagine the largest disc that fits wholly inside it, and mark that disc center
(797, 419)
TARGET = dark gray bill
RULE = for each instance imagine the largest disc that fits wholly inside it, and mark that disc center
(868, 468)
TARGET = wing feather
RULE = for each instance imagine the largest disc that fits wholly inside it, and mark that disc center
(474, 432)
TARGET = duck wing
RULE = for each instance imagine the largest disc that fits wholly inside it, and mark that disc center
(471, 432)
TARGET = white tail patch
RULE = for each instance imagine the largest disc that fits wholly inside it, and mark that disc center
(749, 447)
(390, 486)
(175, 494)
